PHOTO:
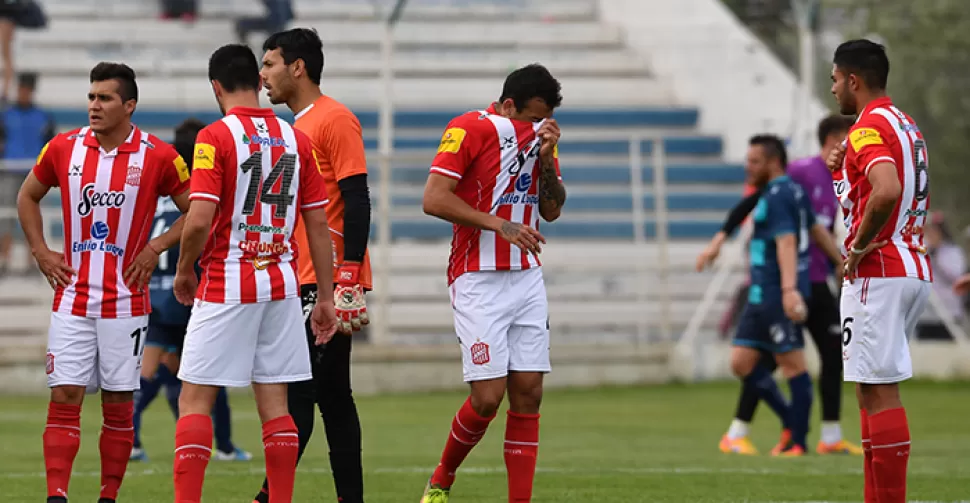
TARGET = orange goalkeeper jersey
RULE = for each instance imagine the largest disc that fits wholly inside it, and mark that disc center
(339, 145)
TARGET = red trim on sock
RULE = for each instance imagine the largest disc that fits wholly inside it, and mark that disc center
(467, 429)
(117, 439)
(62, 439)
(193, 447)
(521, 451)
(281, 445)
(869, 491)
(889, 431)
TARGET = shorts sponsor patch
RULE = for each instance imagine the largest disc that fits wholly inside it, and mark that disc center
(50, 363)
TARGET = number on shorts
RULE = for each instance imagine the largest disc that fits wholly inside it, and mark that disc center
(136, 335)
(922, 174)
(847, 330)
(263, 191)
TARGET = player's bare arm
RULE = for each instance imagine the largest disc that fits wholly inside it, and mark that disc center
(787, 247)
(195, 233)
(51, 263)
(826, 241)
(139, 272)
(441, 201)
(886, 191)
(324, 318)
(552, 193)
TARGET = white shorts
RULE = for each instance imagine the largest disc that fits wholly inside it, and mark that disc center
(239, 344)
(77, 346)
(502, 321)
(878, 316)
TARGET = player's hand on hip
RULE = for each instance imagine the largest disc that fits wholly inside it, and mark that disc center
(184, 286)
(523, 236)
(962, 285)
(707, 257)
(323, 321)
(140, 271)
(851, 270)
(549, 133)
(794, 305)
(834, 160)
(55, 268)
(348, 299)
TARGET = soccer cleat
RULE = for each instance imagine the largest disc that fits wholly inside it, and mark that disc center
(435, 493)
(236, 455)
(138, 454)
(783, 444)
(840, 447)
(737, 446)
(793, 451)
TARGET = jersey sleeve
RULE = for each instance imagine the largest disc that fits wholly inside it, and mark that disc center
(313, 190)
(207, 168)
(342, 140)
(458, 148)
(555, 159)
(45, 168)
(175, 173)
(869, 141)
(782, 217)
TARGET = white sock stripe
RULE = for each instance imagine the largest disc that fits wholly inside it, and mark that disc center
(866, 441)
(470, 432)
(285, 434)
(63, 426)
(194, 446)
(887, 446)
(520, 443)
(462, 441)
(116, 429)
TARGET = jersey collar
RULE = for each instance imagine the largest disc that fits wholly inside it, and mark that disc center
(251, 112)
(130, 145)
(885, 101)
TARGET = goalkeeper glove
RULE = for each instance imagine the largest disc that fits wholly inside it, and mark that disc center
(348, 298)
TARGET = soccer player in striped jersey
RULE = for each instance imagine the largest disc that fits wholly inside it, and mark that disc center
(882, 179)
(253, 177)
(166, 328)
(495, 174)
(110, 175)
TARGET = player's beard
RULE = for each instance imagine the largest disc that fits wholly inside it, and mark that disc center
(847, 102)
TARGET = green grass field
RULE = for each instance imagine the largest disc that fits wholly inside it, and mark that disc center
(644, 444)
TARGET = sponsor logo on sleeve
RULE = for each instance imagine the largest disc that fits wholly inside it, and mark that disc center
(181, 168)
(451, 140)
(204, 157)
(863, 137)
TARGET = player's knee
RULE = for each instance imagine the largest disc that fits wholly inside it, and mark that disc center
(67, 395)
(526, 401)
(117, 396)
(487, 399)
(876, 398)
(742, 364)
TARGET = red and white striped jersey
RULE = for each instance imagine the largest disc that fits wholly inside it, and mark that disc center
(883, 133)
(495, 160)
(108, 201)
(262, 173)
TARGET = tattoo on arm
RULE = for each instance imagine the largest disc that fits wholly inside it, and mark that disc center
(509, 228)
(551, 190)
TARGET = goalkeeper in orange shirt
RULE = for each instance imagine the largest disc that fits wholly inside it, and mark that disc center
(292, 66)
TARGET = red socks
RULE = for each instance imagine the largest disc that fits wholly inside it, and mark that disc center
(466, 430)
(521, 449)
(889, 435)
(62, 438)
(193, 446)
(870, 478)
(281, 445)
(117, 437)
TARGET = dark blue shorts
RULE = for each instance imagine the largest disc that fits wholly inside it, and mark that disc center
(168, 337)
(766, 327)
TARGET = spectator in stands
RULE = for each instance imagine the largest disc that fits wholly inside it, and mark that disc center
(9, 10)
(278, 14)
(184, 9)
(949, 264)
(24, 130)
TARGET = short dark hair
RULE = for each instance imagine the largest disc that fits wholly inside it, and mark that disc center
(28, 80)
(866, 59)
(531, 81)
(831, 125)
(773, 146)
(185, 134)
(299, 43)
(120, 72)
(234, 66)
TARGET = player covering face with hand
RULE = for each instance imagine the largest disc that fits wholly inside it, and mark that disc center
(495, 174)
(254, 177)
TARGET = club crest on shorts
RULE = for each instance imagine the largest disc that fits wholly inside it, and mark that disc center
(50, 363)
(479, 352)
